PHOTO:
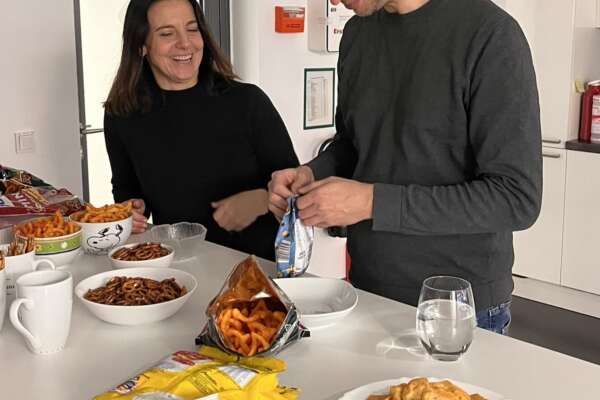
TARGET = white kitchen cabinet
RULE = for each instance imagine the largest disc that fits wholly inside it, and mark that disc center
(564, 40)
(581, 264)
(538, 250)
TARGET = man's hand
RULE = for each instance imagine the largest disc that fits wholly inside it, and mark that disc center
(237, 212)
(286, 183)
(140, 222)
(335, 202)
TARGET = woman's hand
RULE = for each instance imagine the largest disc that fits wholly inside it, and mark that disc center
(237, 212)
(140, 222)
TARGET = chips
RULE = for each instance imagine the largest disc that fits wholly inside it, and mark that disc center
(107, 213)
(54, 226)
(249, 328)
(251, 316)
(422, 389)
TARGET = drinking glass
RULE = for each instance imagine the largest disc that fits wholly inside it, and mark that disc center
(446, 317)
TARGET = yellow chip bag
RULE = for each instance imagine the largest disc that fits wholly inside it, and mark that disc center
(206, 374)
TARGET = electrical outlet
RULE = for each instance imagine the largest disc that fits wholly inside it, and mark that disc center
(25, 142)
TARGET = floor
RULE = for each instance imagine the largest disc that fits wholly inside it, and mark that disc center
(567, 332)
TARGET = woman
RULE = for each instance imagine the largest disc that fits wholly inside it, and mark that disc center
(186, 141)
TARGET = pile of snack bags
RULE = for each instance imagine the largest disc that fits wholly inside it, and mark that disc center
(23, 193)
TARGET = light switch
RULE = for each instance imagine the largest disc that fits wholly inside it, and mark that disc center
(25, 142)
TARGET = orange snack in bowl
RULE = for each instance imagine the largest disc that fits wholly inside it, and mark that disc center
(249, 328)
(47, 227)
(107, 213)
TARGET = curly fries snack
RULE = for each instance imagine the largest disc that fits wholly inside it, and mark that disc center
(47, 227)
(106, 213)
(208, 373)
(251, 315)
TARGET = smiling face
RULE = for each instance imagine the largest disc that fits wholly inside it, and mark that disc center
(174, 44)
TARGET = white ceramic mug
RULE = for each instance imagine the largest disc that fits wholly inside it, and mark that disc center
(19, 265)
(45, 319)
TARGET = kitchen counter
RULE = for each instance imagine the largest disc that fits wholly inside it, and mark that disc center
(582, 146)
(375, 342)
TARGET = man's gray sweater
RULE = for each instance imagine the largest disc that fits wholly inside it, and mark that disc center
(439, 109)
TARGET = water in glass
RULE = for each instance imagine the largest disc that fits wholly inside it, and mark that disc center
(446, 317)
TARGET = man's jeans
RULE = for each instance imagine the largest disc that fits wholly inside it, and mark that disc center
(495, 319)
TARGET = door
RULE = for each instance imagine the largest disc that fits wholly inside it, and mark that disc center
(99, 26)
(538, 250)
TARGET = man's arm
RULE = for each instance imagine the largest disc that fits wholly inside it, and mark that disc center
(504, 131)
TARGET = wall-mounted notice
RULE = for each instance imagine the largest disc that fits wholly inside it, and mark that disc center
(319, 97)
(326, 25)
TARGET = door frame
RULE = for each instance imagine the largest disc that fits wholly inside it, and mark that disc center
(217, 14)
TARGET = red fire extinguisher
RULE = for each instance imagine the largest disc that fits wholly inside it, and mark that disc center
(590, 113)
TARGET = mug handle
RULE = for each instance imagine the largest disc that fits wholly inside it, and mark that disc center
(14, 318)
(36, 263)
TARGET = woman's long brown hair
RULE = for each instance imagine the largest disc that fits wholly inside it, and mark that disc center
(130, 91)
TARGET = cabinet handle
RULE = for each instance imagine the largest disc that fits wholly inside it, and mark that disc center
(550, 155)
(551, 140)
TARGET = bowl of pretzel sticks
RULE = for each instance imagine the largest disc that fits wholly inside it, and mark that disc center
(136, 296)
(104, 228)
(51, 235)
(147, 255)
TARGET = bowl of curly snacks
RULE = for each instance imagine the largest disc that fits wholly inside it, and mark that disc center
(104, 228)
(51, 235)
(136, 296)
(149, 255)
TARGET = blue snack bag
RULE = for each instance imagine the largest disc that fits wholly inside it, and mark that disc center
(293, 244)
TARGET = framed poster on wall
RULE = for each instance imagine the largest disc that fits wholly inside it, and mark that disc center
(319, 97)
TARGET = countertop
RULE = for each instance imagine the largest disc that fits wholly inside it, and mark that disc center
(375, 342)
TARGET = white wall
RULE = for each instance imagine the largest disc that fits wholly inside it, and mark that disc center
(276, 63)
(39, 89)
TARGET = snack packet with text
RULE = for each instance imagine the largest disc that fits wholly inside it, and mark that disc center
(293, 243)
(206, 374)
(251, 315)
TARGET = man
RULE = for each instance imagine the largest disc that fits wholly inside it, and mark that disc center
(438, 129)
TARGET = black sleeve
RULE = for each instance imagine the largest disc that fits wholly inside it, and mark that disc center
(125, 184)
(269, 136)
(505, 135)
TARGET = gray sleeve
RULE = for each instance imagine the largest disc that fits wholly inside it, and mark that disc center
(340, 157)
(504, 132)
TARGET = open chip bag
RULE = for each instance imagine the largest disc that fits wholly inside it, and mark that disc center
(293, 243)
(251, 315)
(22, 193)
(207, 374)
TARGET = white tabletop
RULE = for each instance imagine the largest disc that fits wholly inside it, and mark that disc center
(366, 346)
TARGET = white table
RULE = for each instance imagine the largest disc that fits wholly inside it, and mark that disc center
(98, 355)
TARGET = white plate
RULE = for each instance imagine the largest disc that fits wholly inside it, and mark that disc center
(321, 302)
(383, 387)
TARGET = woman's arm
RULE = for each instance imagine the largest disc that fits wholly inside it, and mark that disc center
(125, 185)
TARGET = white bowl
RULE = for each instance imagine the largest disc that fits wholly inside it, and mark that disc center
(136, 315)
(161, 262)
(60, 259)
(98, 238)
(321, 302)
